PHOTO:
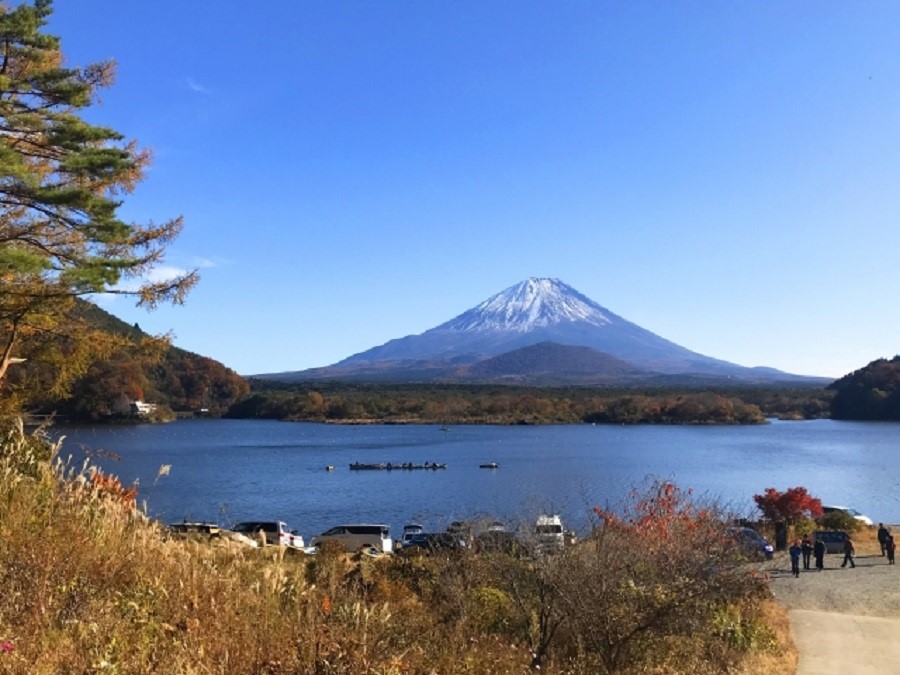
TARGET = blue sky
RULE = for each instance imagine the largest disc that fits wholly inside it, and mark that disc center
(723, 174)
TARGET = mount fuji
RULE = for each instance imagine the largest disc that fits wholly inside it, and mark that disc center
(540, 331)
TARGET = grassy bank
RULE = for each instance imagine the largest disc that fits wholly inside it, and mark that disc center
(92, 586)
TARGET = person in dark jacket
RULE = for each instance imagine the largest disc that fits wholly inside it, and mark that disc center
(819, 554)
(807, 549)
(796, 551)
(849, 551)
(883, 534)
(889, 549)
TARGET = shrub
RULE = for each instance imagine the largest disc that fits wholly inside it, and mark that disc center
(838, 520)
(805, 527)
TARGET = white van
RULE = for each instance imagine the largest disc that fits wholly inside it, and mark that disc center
(550, 534)
(355, 537)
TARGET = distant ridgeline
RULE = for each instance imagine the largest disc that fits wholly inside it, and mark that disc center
(176, 381)
(870, 393)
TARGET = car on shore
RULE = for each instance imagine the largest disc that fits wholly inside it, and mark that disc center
(853, 513)
(752, 542)
(549, 533)
(833, 540)
(355, 536)
(270, 533)
(187, 528)
(431, 542)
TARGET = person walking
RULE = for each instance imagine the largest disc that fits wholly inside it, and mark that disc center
(819, 554)
(849, 551)
(889, 549)
(807, 549)
(796, 551)
(883, 534)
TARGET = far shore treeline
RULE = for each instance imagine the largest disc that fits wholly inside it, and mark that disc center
(180, 383)
(496, 404)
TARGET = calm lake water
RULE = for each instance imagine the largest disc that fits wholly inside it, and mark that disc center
(230, 470)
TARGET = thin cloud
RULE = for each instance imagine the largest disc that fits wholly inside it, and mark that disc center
(165, 273)
(193, 85)
(205, 263)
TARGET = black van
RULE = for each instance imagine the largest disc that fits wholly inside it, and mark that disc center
(834, 540)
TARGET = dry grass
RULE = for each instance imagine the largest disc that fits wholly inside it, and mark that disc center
(92, 586)
(783, 658)
(866, 541)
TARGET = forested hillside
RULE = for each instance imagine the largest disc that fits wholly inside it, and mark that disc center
(137, 367)
(870, 393)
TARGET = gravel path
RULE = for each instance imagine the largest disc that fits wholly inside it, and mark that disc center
(843, 620)
(872, 588)
(839, 644)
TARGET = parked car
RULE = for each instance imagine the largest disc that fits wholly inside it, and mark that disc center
(409, 531)
(461, 527)
(752, 541)
(864, 519)
(833, 539)
(187, 528)
(436, 541)
(240, 538)
(275, 533)
(356, 536)
(550, 533)
(499, 541)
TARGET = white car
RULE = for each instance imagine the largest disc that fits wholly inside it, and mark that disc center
(271, 532)
(850, 512)
(356, 536)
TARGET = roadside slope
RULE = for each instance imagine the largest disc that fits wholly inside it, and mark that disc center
(843, 620)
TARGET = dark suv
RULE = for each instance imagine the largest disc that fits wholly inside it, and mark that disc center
(435, 541)
(834, 540)
(752, 541)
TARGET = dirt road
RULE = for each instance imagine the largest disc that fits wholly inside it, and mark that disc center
(844, 620)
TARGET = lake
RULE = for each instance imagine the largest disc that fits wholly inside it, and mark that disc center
(230, 470)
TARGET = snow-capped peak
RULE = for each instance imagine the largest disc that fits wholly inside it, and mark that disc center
(533, 303)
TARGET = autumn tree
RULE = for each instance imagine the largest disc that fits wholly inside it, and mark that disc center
(789, 506)
(61, 184)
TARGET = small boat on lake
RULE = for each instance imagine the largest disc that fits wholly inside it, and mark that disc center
(359, 466)
(393, 466)
(489, 465)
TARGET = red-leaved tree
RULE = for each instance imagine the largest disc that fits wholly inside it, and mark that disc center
(789, 506)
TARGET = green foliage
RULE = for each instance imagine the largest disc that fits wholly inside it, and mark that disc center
(493, 611)
(63, 178)
(838, 520)
(805, 527)
(741, 628)
(871, 393)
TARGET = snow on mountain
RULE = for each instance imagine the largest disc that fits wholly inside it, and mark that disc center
(533, 303)
(533, 312)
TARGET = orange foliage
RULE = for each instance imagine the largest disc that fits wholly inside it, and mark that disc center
(111, 487)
